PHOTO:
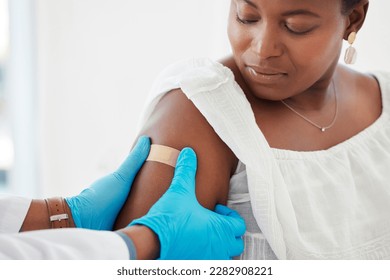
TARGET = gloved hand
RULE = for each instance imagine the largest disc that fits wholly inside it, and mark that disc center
(187, 230)
(98, 206)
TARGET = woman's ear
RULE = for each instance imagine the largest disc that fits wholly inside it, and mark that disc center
(356, 17)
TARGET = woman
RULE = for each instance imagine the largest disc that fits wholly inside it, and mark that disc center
(297, 143)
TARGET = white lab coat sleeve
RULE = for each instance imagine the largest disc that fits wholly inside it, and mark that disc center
(13, 211)
(69, 243)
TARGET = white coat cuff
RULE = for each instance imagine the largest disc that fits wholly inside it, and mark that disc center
(13, 211)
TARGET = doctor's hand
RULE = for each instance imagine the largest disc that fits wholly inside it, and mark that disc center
(98, 206)
(187, 230)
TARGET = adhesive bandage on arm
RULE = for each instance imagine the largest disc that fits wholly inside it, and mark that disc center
(163, 154)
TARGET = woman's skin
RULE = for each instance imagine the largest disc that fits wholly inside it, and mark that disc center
(282, 50)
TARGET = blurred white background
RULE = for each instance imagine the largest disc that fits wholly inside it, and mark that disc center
(78, 73)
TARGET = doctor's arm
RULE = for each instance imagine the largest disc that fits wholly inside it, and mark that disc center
(177, 225)
(97, 206)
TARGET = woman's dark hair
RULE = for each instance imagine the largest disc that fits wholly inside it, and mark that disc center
(349, 5)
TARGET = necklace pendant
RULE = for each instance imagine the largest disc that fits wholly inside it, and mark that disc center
(310, 121)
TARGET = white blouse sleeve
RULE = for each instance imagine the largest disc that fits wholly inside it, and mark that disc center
(13, 211)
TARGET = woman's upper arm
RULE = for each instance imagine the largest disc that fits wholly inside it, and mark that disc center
(177, 123)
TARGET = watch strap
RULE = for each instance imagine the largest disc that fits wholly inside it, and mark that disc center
(58, 216)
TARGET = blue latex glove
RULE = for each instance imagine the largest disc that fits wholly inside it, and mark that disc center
(187, 230)
(97, 207)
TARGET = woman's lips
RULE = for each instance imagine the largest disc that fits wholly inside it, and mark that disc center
(265, 75)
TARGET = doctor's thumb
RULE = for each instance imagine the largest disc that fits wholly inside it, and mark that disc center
(134, 161)
(185, 172)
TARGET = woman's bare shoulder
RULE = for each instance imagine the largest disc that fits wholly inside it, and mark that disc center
(176, 122)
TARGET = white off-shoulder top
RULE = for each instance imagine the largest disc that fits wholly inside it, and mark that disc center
(328, 204)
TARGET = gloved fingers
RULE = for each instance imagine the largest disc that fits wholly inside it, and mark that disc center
(130, 167)
(232, 219)
(185, 171)
(226, 211)
(236, 247)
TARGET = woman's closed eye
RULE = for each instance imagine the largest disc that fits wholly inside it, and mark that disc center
(299, 29)
(294, 28)
(246, 19)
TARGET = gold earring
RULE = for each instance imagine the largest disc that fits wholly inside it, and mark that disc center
(350, 52)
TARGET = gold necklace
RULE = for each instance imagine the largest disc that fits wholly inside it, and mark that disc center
(322, 128)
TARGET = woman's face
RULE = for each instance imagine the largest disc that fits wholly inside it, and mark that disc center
(285, 47)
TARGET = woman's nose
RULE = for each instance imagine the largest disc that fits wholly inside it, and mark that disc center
(266, 42)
